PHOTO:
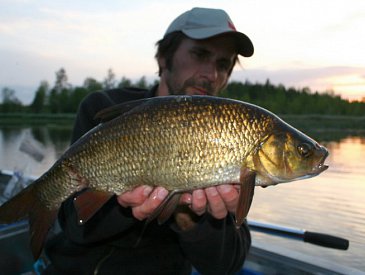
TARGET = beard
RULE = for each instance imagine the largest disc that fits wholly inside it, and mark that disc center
(188, 85)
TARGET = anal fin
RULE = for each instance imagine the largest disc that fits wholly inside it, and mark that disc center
(247, 182)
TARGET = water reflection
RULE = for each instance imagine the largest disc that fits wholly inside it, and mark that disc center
(49, 141)
(330, 203)
(347, 156)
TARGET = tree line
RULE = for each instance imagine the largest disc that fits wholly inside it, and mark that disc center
(62, 97)
(282, 100)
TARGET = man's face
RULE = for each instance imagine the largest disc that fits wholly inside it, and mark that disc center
(199, 67)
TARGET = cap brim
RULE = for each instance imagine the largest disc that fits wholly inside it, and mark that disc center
(244, 44)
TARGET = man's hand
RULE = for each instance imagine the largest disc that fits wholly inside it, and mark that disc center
(143, 200)
(218, 201)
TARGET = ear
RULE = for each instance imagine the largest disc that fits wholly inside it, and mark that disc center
(161, 63)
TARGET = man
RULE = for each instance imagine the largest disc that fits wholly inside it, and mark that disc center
(195, 57)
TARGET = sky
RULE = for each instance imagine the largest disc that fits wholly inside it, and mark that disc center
(318, 44)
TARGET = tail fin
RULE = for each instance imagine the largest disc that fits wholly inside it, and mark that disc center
(26, 205)
(18, 207)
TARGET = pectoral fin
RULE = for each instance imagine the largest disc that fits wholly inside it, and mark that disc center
(89, 202)
(166, 208)
(247, 182)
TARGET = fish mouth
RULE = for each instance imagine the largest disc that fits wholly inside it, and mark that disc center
(321, 166)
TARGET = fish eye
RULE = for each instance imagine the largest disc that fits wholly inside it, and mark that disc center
(305, 149)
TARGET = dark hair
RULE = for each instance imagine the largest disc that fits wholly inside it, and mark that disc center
(167, 46)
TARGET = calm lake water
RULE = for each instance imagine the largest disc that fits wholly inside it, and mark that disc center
(331, 203)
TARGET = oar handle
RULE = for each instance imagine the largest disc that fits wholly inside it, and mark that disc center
(300, 234)
(325, 240)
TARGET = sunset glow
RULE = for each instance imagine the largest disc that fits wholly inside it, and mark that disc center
(351, 87)
(322, 49)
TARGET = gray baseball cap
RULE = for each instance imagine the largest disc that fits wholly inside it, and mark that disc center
(203, 23)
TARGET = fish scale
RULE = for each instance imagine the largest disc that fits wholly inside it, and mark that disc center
(175, 133)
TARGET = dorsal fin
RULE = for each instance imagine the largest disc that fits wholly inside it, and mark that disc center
(118, 109)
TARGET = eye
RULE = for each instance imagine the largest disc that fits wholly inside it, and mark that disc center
(200, 54)
(305, 150)
(224, 66)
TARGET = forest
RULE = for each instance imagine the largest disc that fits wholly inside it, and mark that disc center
(62, 97)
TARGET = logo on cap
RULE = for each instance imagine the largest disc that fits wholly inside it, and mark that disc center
(231, 26)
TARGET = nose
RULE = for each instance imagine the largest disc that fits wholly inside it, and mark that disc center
(209, 71)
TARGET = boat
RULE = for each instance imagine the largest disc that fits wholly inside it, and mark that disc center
(15, 254)
(16, 258)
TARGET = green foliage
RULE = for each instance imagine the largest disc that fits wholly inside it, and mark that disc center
(59, 96)
(64, 98)
(281, 100)
(39, 103)
(10, 102)
(142, 83)
(109, 81)
(125, 82)
(92, 85)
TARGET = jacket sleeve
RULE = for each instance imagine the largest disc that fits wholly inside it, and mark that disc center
(97, 101)
(216, 246)
(88, 108)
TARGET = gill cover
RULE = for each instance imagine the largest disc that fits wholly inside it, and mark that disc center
(288, 155)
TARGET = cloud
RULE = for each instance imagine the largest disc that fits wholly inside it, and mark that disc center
(23, 71)
(39, 37)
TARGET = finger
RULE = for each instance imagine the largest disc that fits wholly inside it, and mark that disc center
(217, 207)
(144, 210)
(135, 197)
(229, 195)
(198, 202)
(186, 199)
(237, 187)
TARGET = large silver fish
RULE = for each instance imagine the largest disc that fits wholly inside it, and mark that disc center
(178, 142)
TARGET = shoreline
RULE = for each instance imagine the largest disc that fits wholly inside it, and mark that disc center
(306, 122)
(36, 119)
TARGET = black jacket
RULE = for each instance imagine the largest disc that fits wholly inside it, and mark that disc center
(107, 242)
